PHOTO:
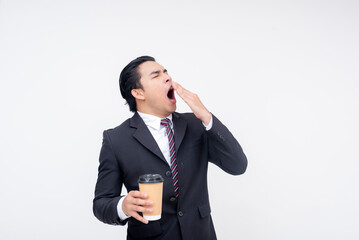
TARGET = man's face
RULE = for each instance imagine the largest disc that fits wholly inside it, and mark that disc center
(158, 94)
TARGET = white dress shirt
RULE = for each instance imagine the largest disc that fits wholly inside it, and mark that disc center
(158, 132)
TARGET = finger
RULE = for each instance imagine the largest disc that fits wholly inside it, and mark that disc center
(180, 88)
(188, 97)
(136, 198)
(176, 85)
(137, 194)
(182, 92)
(140, 202)
(141, 209)
(140, 218)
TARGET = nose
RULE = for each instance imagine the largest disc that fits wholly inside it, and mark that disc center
(168, 79)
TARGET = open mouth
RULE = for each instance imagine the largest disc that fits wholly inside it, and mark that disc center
(171, 94)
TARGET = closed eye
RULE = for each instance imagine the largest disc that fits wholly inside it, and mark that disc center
(155, 74)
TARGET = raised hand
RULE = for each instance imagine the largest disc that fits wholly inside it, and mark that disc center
(193, 101)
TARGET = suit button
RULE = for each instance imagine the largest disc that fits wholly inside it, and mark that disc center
(180, 213)
(172, 199)
(168, 174)
(220, 136)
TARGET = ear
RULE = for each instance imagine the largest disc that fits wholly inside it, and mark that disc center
(138, 94)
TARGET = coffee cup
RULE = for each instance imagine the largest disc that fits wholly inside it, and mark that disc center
(152, 185)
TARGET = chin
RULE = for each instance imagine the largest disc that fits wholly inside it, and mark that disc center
(171, 110)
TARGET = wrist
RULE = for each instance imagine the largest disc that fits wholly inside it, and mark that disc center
(209, 125)
(120, 210)
(206, 118)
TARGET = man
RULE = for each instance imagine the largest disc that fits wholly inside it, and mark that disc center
(140, 145)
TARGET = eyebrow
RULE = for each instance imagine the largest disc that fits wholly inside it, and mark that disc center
(158, 72)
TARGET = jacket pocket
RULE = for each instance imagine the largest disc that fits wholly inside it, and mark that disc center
(141, 230)
(204, 210)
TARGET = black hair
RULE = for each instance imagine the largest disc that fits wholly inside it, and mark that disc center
(130, 79)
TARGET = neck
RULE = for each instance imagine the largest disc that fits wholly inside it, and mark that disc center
(154, 113)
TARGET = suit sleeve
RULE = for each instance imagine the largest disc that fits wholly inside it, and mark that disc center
(224, 149)
(108, 186)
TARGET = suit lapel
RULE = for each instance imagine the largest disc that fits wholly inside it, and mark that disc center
(144, 136)
(180, 127)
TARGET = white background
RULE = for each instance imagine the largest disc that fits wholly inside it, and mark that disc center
(282, 75)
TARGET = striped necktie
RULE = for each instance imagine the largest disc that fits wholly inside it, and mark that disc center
(171, 142)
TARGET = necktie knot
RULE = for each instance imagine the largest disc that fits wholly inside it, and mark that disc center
(165, 122)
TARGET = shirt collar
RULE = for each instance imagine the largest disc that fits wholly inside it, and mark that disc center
(153, 121)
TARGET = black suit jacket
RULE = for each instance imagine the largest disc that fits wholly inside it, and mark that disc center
(129, 151)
